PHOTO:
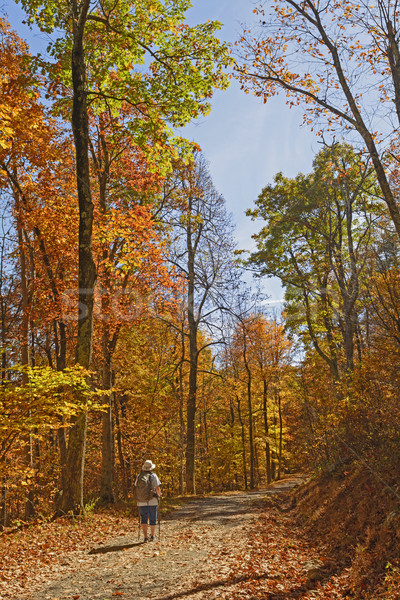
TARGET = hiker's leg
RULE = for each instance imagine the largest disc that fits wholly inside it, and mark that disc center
(152, 519)
(144, 517)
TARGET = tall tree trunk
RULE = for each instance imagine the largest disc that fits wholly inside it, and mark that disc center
(280, 434)
(309, 412)
(331, 358)
(266, 430)
(60, 344)
(257, 476)
(181, 424)
(191, 416)
(3, 342)
(101, 163)
(207, 449)
(232, 432)
(124, 464)
(193, 358)
(72, 498)
(3, 311)
(107, 463)
(3, 502)
(243, 436)
(177, 387)
(250, 410)
(25, 346)
(107, 453)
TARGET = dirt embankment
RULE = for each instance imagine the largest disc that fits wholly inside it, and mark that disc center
(355, 513)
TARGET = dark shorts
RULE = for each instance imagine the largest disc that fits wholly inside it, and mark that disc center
(148, 514)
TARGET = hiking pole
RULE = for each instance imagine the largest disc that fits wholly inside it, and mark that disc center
(159, 519)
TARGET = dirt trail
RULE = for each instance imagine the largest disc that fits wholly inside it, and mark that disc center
(198, 555)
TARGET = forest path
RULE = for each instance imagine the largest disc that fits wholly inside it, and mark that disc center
(212, 547)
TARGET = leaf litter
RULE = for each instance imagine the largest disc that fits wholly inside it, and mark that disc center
(248, 550)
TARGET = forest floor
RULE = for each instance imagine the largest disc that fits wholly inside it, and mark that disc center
(229, 546)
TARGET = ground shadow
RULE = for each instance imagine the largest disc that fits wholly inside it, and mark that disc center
(105, 549)
(212, 585)
(290, 595)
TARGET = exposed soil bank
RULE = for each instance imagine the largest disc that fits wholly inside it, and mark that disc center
(355, 513)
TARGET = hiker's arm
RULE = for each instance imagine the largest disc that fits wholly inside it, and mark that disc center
(158, 491)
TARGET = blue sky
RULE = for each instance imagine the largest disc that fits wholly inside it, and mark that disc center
(246, 142)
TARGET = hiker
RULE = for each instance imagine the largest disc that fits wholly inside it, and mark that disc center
(148, 492)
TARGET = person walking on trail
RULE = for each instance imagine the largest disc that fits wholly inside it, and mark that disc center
(148, 491)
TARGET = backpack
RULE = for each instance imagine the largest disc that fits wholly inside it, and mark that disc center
(144, 486)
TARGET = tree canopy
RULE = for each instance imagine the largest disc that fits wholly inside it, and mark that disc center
(337, 60)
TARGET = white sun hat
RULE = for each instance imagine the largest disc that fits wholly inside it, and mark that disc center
(148, 466)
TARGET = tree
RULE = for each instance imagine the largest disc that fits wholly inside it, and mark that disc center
(317, 231)
(203, 255)
(242, 342)
(257, 361)
(35, 159)
(271, 352)
(7, 292)
(99, 59)
(341, 61)
(149, 372)
(128, 250)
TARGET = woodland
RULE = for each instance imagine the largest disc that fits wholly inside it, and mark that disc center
(128, 330)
